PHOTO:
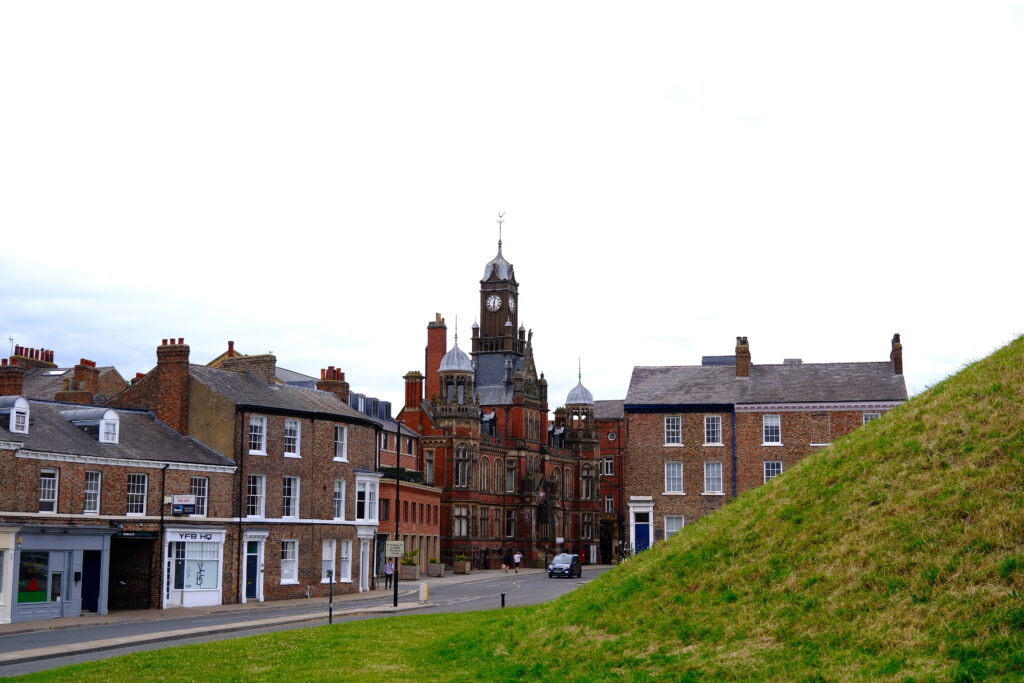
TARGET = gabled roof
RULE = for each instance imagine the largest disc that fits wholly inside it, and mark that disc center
(140, 437)
(44, 383)
(807, 382)
(241, 388)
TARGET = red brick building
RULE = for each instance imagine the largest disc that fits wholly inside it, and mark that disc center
(509, 480)
(304, 496)
(700, 435)
(85, 526)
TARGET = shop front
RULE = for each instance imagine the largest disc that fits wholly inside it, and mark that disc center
(193, 566)
(56, 571)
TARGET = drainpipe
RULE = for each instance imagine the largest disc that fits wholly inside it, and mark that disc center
(732, 415)
(160, 544)
(239, 557)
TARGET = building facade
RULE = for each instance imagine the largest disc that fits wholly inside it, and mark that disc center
(303, 510)
(509, 480)
(85, 525)
(700, 435)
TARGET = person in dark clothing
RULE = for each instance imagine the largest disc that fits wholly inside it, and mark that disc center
(506, 561)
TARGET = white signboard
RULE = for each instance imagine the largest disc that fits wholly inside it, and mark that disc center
(559, 539)
(394, 548)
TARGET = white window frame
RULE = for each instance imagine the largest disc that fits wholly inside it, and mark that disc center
(510, 475)
(587, 525)
(428, 467)
(109, 429)
(19, 419)
(712, 428)
(345, 566)
(608, 467)
(609, 503)
(327, 555)
(772, 466)
(200, 488)
(673, 525)
(132, 498)
(91, 490)
(289, 561)
(673, 430)
(338, 500)
(510, 523)
(366, 500)
(292, 441)
(256, 491)
(771, 423)
(341, 443)
(710, 477)
(48, 494)
(461, 468)
(257, 435)
(290, 500)
(870, 417)
(670, 478)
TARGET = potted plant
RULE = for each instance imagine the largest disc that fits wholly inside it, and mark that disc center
(461, 564)
(410, 571)
(435, 568)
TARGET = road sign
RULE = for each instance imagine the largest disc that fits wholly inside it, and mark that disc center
(394, 548)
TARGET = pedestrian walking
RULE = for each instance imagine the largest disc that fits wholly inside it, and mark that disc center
(506, 561)
(517, 559)
(389, 571)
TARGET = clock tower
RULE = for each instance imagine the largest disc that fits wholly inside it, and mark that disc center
(498, 331)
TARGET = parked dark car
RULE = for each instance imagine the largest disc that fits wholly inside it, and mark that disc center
(565, 564)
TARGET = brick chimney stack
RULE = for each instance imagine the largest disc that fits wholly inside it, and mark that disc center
(263, 366)
(171, 399)
(413, 390)
(231, 349)
(896, 355)
(742, 357)
(81, 387)
(12, 377)
(332, 379)
(33, 358)
(437, 346)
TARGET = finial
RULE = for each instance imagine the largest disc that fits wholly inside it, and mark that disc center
(580, 375)
(501, 219)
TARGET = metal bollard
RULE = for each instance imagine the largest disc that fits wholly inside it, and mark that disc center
(503, 601)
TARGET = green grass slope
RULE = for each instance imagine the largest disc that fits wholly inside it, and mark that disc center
(897, 554)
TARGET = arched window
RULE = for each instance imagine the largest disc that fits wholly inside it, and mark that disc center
(558, 482)
(461, 467)
(510, 476)
(587, 483)
(567, 484)
(485, 467)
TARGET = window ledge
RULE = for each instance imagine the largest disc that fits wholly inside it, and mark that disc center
(289, 583)
(337, 459)
(292, 455)
(673, 493)
(771, 444)
(718, 444)
(673, 445)
(820, 444)
(257, 452)
(713, 493)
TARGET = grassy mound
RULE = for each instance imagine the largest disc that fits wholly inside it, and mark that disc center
(896, 554)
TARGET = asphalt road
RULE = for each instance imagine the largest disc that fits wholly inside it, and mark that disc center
(46, 649)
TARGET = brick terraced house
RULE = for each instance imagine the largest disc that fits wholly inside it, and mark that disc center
(303, 504)
(700, 435)
(85, 527)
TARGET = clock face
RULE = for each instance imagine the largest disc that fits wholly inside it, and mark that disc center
(493, 302)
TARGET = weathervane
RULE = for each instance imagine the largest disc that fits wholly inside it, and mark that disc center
(501, 219)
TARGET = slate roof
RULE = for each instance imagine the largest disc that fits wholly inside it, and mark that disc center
(44, 383)
(241, 388)
(609, 410)
(140, 437)
(490, 378)
(807, 382)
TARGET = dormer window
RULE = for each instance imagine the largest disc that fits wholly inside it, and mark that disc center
(103, 423)
(14, 414)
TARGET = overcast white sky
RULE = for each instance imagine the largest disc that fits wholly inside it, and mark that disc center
(317, 179)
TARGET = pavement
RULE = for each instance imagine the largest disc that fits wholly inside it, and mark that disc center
(251, 615)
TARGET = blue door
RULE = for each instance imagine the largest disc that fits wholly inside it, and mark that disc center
(642, 530)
